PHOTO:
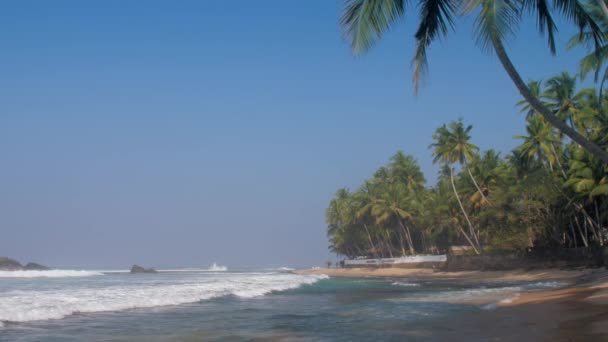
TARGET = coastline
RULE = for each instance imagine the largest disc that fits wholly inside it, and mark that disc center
(569, 276)
(577, 311)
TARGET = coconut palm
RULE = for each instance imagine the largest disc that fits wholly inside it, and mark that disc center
(537, 143)
(490, 173)
(525, 107)
(404, 169)
(597, 57)
(447, 153)
(390, 207)
(364, 22)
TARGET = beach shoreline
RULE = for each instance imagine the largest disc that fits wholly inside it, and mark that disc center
(577, 311)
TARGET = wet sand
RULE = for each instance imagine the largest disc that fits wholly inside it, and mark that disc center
(467, 276)
(576, 312)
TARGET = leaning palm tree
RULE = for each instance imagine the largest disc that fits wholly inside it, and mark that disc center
(364, 22)
(445, 153)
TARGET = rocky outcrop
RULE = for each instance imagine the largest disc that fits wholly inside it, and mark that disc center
(8, 264)
(32, 266)
(138, 269)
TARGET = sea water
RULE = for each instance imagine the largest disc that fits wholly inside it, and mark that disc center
(223, 305)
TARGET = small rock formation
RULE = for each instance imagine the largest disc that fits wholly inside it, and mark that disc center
(138, 269)
(32, 266)
(8, 264)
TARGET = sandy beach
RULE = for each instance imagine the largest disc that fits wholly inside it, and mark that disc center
(488, 276)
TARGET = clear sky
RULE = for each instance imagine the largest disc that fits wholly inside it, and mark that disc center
(179, 133)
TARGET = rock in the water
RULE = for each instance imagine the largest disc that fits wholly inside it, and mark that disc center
(32, 266)
(139, 269)
(8, 264)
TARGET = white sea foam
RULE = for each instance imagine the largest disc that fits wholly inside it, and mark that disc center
(503, 294)
(48, 274)
(405, 284)
(30, 305)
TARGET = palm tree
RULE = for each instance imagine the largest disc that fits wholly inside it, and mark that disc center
(459, 149)
(525, 107)
(562, 98)
(595, 60)
(448, 153)
(364, 22)
(390, 207)
(490, 173)
(404, 169)
(537, 143)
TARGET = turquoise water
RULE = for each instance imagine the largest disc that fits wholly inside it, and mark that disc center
(235, 306)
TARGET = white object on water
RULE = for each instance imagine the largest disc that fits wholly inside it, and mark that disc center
(216, 268)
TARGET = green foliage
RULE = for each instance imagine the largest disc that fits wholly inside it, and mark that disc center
(548, 192)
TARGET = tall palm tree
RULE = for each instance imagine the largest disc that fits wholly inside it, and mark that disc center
(364, 22)
(447, 154)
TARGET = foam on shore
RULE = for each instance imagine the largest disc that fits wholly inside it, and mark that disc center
(48, 274)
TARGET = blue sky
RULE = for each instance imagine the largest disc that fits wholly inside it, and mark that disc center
(183, 133)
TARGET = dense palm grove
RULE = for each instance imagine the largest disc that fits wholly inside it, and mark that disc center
(551, 191)
(548, 192)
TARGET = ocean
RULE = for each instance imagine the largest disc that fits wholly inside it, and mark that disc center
(226, 305)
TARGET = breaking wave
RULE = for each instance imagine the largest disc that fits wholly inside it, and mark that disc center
(48, 274)
(31, 305)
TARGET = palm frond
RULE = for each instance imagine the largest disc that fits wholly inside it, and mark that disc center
(364, 21)
(497, 20)
(544, 20)
(436, 18)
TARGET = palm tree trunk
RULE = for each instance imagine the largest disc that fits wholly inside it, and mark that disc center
(403, 252)
(471, 229)
(371, 243)
(475, 182)
(580, 231)
(388, 245)
(573, 234)
(408, 235)
(468, 239)
(501, 53)
(597, 218)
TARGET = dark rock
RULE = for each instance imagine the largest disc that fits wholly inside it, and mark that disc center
(32, 266)
(138, 269)
(8, 264)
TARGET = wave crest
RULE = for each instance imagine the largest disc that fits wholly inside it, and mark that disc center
(48, 274)
(18, 306)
